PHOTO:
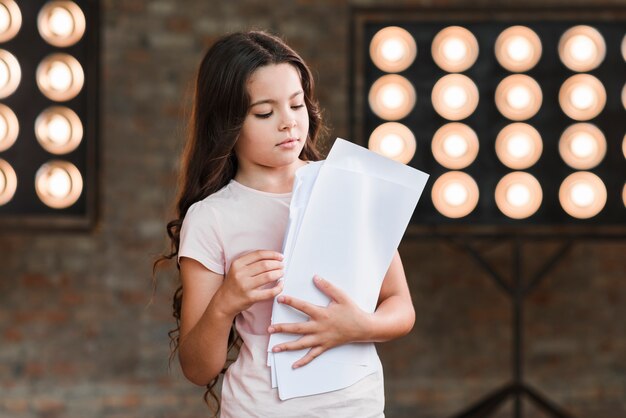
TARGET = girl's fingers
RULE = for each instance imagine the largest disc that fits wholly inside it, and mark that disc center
(295, 328)
(268, 293)
(330, 289)
(310, 356)
(301, 343)
(262, 266)
(302, 306)
(265, 278)
(258, 255)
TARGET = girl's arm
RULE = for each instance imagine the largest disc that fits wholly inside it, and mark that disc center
(210, 304)
(342, 321)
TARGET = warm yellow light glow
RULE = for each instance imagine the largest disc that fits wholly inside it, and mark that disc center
(582, 48)
(582, 97)
(10, 74)
(392, 97)
(454, 49)
(8, 182)
(519, 146)
(10, 20)
(624, 96)
(61, 23)
(518, 97)
(518, 195)
(455, 145)
(624, 195)
(60, 77)
(582, 195)
(393, 49)
(59, 184)
(393, 140)
(582, 146)
(59, 130)
(624, 48)
(455, 194)
(518, 48)
(455, 96)
(9, 127)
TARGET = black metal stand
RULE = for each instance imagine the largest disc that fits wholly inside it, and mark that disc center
(517, 291)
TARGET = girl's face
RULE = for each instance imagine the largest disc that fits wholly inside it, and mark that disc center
(277, 123)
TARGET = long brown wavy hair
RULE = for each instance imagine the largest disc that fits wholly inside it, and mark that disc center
(208, 161)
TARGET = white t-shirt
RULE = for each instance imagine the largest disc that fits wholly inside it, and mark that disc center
(232, 222)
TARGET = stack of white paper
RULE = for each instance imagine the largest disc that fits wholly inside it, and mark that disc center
(346, 219)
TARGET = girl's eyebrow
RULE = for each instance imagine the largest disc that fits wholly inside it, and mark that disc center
(274, 101)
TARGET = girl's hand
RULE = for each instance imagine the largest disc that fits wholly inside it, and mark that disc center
(252, 278)
(341, 322)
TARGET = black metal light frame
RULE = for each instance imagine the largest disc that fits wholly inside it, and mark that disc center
(26, 210)
(464, 233)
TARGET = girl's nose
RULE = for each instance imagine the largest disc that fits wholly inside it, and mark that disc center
(288, 124)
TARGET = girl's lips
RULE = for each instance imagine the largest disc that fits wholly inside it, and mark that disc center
(289, 143)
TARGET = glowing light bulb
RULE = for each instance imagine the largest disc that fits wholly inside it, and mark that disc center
(583, 145)
(519, 49)
(59, 183)
(392, 50)
(59, 130)
(4, 74)
(392, 145)
(519, 97)
(582, 195)
(61, 22)
(5, 18)
(392, 96)
(60, 76)
(518, 195)
(455, 145)
(519, 146)
(454, 49)
(455, 194)
(582, 48)
(582, 97)
(455, 97)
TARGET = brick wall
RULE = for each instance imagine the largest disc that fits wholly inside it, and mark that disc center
(78, 338)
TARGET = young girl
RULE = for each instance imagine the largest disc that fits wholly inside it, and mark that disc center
(255, 122)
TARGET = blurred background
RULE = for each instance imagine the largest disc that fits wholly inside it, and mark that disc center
(82, 334)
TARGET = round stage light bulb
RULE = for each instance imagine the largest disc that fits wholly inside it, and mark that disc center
(455, 194)
(624, 96)
(8, 182)
(454, 49)
(58, 184)
(518, 97)
(392, 97)
(582, 97)
(10, 74)
(9, 127)
(582, 146)
(518, 195)
(393, 140)
(393, 49)
(582, 195)
(582, 48)
(59, 130)
(455, 96)
(624, 195)
(455, 145)
(10, 20)
(518, 48)
(61, 23)
(519, 146)
(60, 77)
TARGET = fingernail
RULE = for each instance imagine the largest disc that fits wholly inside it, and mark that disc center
(295, 366)
(276, 349)
(317, 278)
(270, 329)
(281, 299)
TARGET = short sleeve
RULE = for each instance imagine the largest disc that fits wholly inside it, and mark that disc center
(200, 238)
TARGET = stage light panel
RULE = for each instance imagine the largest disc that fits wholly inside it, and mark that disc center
(49, 97)
(393, 49)
(518, 49)
(454, 49)
(393, 140)
(518, 110)
(582, 48)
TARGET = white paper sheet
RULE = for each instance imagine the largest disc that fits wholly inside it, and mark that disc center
(347, 218)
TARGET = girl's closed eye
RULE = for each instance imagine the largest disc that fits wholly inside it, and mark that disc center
(267, 115)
